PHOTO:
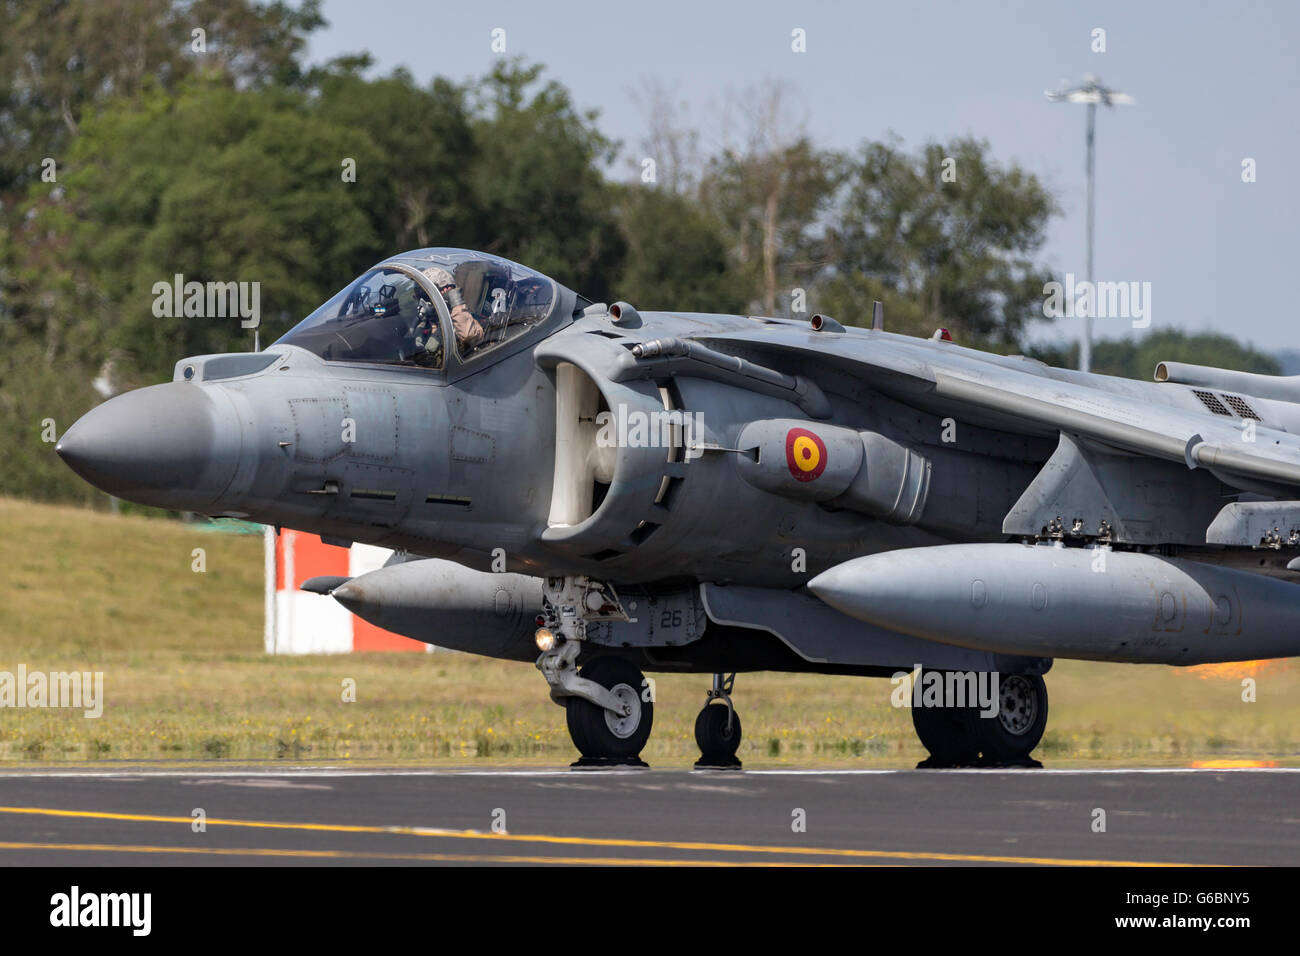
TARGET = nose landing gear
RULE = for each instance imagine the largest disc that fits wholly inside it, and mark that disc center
(717, 728)
(608, 704)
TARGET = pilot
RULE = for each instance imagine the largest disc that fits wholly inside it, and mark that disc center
(468, 330)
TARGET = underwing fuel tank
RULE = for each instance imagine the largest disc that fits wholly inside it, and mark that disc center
(441, 602)
(1052, 601)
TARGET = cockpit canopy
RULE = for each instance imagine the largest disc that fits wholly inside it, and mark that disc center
(417, 308)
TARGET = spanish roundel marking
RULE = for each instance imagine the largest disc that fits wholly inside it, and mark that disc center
(805, 454)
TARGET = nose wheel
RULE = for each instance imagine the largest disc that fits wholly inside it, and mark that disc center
(609, 737)
(717, 728)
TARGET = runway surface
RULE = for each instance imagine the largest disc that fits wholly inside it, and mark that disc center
(651, 817)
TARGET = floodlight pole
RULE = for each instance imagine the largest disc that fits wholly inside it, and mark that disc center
(1085, 344)
(1091, 92)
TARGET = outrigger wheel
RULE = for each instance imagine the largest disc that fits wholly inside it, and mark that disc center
(605, 739)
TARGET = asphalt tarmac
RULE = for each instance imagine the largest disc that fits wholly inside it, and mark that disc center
(649, 817)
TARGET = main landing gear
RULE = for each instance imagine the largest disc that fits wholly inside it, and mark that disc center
(717, 728)
(962, 736)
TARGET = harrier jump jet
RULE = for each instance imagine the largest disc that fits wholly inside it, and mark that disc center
(608, 492)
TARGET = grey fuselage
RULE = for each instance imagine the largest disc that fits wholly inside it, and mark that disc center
(462, 463)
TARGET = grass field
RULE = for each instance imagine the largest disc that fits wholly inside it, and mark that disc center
(185, 679)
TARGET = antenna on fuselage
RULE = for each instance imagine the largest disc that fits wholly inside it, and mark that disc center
(878, 316)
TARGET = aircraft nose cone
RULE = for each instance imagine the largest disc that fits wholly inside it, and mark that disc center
(171, 446)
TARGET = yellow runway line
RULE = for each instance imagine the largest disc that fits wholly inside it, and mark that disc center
(587, 841)
(419, 857)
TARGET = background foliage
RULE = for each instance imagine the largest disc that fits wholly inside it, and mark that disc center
(226, 165)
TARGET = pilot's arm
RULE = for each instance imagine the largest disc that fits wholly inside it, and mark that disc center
(426, 338)
(468, 331)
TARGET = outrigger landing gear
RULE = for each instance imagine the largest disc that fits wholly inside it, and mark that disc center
(608, 705)
(717, 728)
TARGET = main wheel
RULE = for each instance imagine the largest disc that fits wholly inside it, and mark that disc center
(599, 734)
(717, 740)
(945, 732)
(1019, 723)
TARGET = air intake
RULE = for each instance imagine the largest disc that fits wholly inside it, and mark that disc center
(1239, 406)
(1211, 401)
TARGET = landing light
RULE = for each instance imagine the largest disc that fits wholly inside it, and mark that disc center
(545, 638)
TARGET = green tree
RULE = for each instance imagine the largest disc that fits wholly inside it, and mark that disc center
(417, 185)
(769, 187)
(1138, 358)
(217, 185)
(945, 236)
(34, 393)
(61, 58)
(677, 257)
(541, 196)
(772, 199)
(60, 64)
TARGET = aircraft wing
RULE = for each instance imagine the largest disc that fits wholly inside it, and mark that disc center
(1026, 396)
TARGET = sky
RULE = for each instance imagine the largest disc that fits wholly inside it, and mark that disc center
(1215, 84)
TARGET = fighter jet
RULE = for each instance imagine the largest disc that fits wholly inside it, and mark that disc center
(607, 492)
